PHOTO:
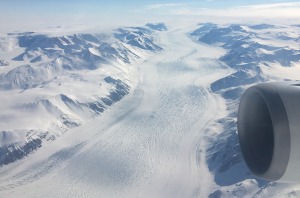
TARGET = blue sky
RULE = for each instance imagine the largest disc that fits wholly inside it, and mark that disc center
(114, 11)
(44, 7)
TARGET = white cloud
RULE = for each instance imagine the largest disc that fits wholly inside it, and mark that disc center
(273, 5)
(164, 5)
(267, 11)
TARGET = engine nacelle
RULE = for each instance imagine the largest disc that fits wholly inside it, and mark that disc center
(269, 130)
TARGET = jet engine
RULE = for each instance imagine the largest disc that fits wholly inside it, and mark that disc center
(269, 130)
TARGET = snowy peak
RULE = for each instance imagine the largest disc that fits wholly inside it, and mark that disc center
(262, 26)
(85, 47)
(91, 48)
(23, 77)
(157, 26)
(3, 63)
(252, 44)
(137, 36)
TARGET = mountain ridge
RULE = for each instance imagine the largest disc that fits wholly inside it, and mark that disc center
(53, 63)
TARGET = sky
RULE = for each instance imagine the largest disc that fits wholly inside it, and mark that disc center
(112, 12)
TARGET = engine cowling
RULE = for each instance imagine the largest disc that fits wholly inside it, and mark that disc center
(269, 130)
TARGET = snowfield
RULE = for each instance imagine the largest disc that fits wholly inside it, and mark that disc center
(167, 127)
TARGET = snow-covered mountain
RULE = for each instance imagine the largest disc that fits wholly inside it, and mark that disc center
(157, 26)
(256, 53)
(49, 84)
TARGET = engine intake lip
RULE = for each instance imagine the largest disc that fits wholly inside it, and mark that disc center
(263, 131)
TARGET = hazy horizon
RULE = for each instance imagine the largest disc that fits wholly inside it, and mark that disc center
(32, 13)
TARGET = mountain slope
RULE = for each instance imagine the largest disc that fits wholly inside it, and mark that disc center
(55, 83)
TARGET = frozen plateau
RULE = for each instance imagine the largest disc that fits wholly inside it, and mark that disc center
(145, 111)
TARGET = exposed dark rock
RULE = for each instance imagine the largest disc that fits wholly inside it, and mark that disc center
(12, 153)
